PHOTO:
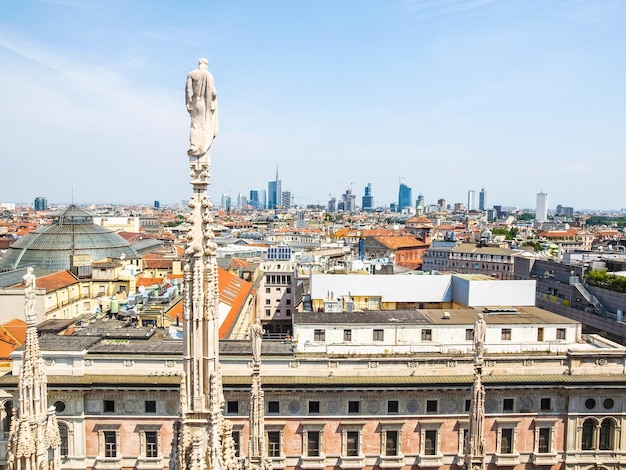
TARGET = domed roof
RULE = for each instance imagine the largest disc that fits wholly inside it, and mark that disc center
(72, 232)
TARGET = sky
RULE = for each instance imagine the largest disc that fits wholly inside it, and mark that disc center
(516, 96)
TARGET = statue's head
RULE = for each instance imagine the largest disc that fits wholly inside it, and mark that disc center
(203, 63)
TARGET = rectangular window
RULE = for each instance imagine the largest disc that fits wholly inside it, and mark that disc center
(268, 301)
(273, 407)
(110, 444)
(232, 407)
(391, 442)
(313, 443)
(379, 335)
(273, 443)
(469, 334)
(431, 406)
(319, 335)
(314, 407)
(268, 312)
(560, 333)
(288, 290)
(288, 302)
(540, 334)
(506, 334)
(507, 404)
(427, 335)
(268, 290)
(64, 435)
(347, 335)
(109, 406)
(152, 448)
(354, 407)
(543, 446)
(150, 406)
(352, 443)
(468, 405)
(546, 404)
(430, 442)
(288, 312)
(237, 442)
(506, 441)
(392, 406)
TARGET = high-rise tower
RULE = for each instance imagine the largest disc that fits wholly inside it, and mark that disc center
(367, 202)
(471, 200)
(274, 193)
(405, 198)
(482, 200)
(541, 212)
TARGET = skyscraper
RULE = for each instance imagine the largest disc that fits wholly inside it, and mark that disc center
(274, 193)
(471, 200)
(420, 201)
(225, 202)
(405, 197)
(541, 213)
(367, 203)
(254, 198)
(482, 200)
(286, 199)
(41, 204)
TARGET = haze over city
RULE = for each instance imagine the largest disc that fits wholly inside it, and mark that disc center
(445, 96)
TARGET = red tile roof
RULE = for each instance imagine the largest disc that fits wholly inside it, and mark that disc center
(54, 281)
(234, 292)
(149, 281)
(12, 336)
(401, 242)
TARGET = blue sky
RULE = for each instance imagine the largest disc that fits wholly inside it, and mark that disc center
(514, 96)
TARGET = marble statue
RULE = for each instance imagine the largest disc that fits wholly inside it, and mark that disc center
(256, 336)
(30, 285)
(480, 330)
(201, 100)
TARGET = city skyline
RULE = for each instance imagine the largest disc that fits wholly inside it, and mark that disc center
(451, 96)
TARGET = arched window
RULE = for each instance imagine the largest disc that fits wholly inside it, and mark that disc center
(607, 434)
(6, 412)
(63, 432)
(589, 427)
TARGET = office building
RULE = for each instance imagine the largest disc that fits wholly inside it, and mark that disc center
(41, 204)
(226, 203)
(471, 200)
(274, 193)
(367, 202)
(563, 211)
(405, 198)
(286, 199)
(258, 198)
(420, 201)
(482, 200)
(541, 213)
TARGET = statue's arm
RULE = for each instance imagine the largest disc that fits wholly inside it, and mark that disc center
(188, 93)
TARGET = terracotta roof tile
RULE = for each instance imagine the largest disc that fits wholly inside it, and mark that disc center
(54, 281)
(401, 242)
(234, 292)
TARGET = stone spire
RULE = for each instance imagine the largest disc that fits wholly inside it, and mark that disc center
(257, 449)
(203, 439)
(34, 438)
(475, 440)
